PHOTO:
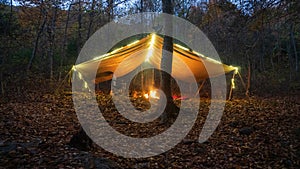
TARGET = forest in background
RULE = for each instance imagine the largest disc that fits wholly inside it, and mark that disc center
(43, 38)
(39, 127)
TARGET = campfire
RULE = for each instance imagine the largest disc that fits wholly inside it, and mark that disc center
(152, 94)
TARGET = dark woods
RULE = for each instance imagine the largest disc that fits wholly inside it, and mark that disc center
(40, 42)
(43, 38)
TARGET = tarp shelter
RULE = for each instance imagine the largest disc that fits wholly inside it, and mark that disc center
(150, 48)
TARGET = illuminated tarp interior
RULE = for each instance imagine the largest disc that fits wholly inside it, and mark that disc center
(149, 50)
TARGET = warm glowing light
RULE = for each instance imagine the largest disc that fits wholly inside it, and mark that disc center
(153, 94)
(133, 43)
(135, 94)
(181, 47)
(152, 40)
(116, 50)
(210, 59)
(197, 53)
(150, 49)
(99, 57)
(146, 96)
(236, 70)
(79, 75)
(149, 54)
(85, 85)
(232, 83)
(96, 58)
(213, 60)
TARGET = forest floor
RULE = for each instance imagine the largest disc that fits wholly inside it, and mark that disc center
(37, 124)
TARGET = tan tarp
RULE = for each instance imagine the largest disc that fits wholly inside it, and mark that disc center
(149, 49)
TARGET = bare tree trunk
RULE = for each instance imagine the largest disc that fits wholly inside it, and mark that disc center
(290, 61)
(65, 40)
(38, 36)
(91, 19)
(248, 79)
(110, 9)
(294, 46)
(79, 20)
(2, 83)
(262, 64)
(166, 64)
(142, 6)
(5, 53)
(52, 40)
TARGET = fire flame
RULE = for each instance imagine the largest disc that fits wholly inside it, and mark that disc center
(146, 96)
(152, 94)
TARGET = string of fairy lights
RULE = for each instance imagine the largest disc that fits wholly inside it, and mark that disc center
(80, 76)
(147, 59)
